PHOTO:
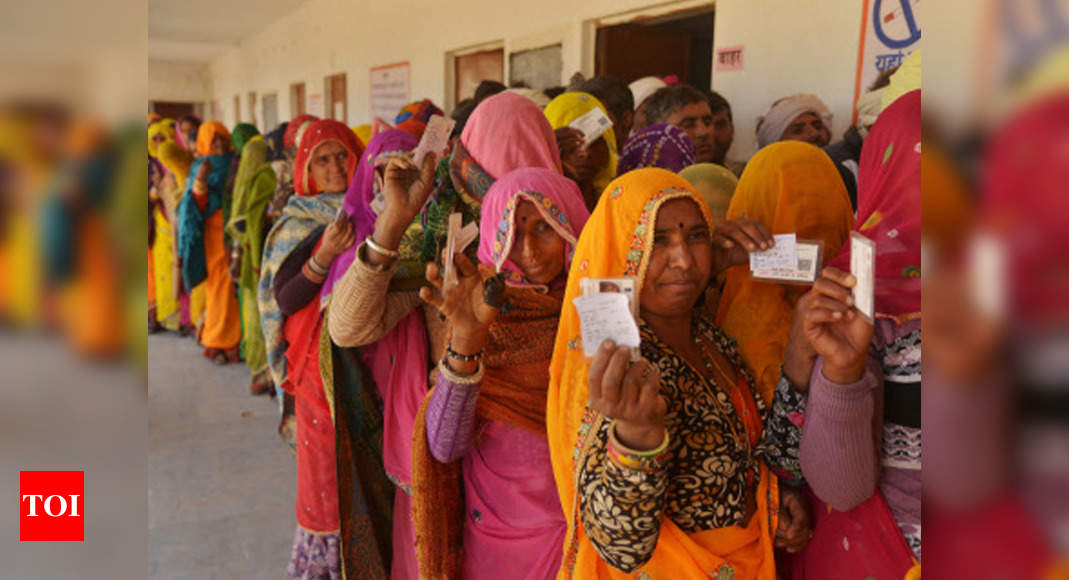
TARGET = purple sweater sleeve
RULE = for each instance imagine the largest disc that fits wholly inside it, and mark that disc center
(838, 449)
(451, 415)
(293, 291)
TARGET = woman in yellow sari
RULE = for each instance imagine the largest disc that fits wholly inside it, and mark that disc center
(163, 203)
(592, 165)
(659, 461)
(178, 160)
(790, 187)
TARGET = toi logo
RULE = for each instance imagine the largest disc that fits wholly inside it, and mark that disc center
(51, 506)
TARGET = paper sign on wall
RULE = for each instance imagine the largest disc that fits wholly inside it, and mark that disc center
(390, 90)
(729, 58)
(315, 105)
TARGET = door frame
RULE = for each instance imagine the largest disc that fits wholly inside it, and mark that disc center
(647, 15)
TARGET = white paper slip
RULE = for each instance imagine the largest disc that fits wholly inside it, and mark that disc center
(592, 125)
(606, 315)
(805, 270)
(987, 275)
(435, 138)
(623, 285)
(783, 255)
(449, 271)
(863, 267)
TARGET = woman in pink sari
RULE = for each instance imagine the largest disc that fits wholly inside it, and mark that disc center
(374, 298)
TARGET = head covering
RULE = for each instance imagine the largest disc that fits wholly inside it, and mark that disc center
(159, 128)
(782, 113)
(644, 87)
(906, 79)
(790, 187)
(275, 143)
(616, 241)
(868, 108)
(568, 107)
(190, 138)
(889, 208)
(363, 133)
(556, 197)
(290, 137)
(413, 127)
(506, 132)
(361, 192)
(241, 135)
(154, 118)
(661, 145)
(1025, 172)
(315, 135)
(537, 96)
(715, 183)
(177, 160)
(421, 111)
(206, 134)
(513, 389)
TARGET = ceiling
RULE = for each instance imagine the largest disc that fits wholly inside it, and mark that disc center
(201, 30)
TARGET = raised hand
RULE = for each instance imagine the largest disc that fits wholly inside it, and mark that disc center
(337, 238)
(405, 188)
(834, 328)
(462, 304)
(733, 240)
(630, 393)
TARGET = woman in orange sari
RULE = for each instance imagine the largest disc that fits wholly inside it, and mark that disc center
(659, 461)
(207, 260)
(792, 188)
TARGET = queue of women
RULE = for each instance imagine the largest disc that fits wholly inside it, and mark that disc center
(447, 421)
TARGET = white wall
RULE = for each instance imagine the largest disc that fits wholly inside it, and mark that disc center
(179, 82)
(791, 46)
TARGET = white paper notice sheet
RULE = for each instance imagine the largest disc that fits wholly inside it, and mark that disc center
(606, 315)
(783, 255)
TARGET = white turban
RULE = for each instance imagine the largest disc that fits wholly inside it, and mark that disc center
(869, 106)
(783, 112)
(644, 87)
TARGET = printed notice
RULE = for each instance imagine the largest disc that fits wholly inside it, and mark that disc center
(606, 315)
(783, 255)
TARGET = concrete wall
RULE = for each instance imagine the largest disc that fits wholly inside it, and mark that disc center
(790, 46)
(179, 82)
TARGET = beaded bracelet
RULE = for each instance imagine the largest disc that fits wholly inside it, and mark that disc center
(650, 461)
(462, 357)
(374, 246)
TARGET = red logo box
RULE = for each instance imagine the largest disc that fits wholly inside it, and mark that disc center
(51, 506)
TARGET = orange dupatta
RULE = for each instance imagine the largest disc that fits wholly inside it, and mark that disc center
(790, 187)
(614, 243)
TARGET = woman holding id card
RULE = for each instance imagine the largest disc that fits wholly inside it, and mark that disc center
(659, 461)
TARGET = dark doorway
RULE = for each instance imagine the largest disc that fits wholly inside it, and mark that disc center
(172, 110)
(675, 44)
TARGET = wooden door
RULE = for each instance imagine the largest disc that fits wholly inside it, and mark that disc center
(269, 106)
(297, 104)
(172, 110)
(337, 101)
(631, 51)
(252, 108)
(472, 69)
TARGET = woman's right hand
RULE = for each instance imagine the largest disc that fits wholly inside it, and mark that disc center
(337, 238)
(462, 304)
(630, 394)
(570, 145)
(834, 328)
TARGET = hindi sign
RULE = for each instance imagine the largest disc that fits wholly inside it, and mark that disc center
(729, 58)
(390, 90)
(890, 31)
